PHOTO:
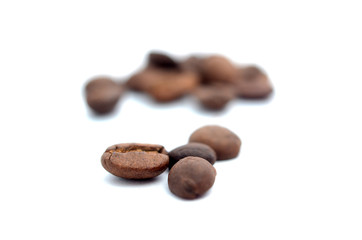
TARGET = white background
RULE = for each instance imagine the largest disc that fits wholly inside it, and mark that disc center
(299, 173)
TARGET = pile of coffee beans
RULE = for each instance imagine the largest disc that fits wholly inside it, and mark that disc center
(213, 81)
(191, 165)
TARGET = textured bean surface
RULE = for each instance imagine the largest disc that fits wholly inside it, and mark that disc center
(191, 177)
(135, 160)
(225, 143)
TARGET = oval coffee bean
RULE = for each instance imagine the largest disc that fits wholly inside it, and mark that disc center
(102, 94)
(225, 143)
(171, 86)
(192, 149)
(253, 83)
(135, 160)
(191, 177)
(214, 97)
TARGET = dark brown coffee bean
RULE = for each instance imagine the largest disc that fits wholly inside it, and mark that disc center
(218, 69)
(252, 82)
(161, 60)
(214, 97)
(192, 149)
(191, 177)
(102, 94)
(135, 160)
(225, 143)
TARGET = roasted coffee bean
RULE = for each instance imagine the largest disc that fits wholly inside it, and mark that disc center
(143, 80)
(192, 149)
(161, 60)
(164, 86)
(135, 160)
(214, 97)
(171, 86)
(218, 69)
(102, 94)
(192, 63)
(252, 82)
(225, 143)
(191, 177)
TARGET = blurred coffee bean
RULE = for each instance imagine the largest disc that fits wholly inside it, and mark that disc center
(161, 60)
(192, 63)
(141, 81)
(217, 69)
(252, 83)
(214, 97)
(102, 94)
(171, 85)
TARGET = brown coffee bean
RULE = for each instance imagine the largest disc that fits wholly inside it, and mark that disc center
(252, 82)
(192, 63)
(141, 81)
(171, 85)
(218, 69)
(135, 160)
(161, 60)
(102, 94)
(191, 177)
(214, 97)
(192, 149)
(225, 143)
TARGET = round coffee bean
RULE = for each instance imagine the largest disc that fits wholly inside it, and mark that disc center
(135, 160)
(252, 82)
(218, 69)
(102, 94)
(191, 177)
(225, 143)
(192, 149)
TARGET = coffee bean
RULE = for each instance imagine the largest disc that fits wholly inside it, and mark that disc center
(102, 94)
(191, 177)
(173, 85)
(143, 80)
(252, 83)
(161, 60)
(135, 160)
(192, 149)
(214, 97)
(218, 69)
(225, 143)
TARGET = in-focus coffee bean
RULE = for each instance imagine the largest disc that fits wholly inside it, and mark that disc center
(135, 160)
(192, 149)
(191, 177)
(102, 94)
(225, 143)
